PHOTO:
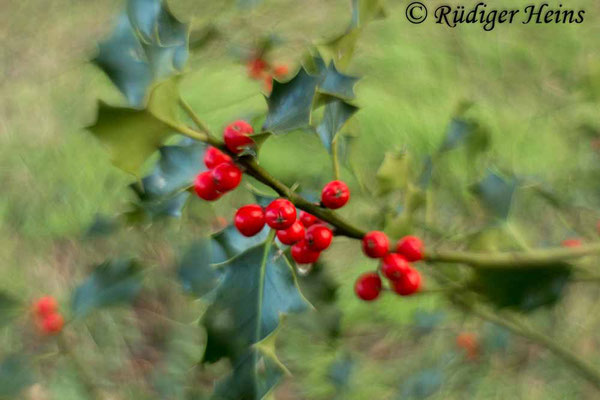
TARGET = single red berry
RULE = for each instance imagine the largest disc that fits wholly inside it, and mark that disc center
(226, 177)
(45, 306)
(308, 219)
(335, 194)
(52, 324)
(256, 67)
(205, 188)
(411, 247)
(394, 266)
(291, 235)
(236, 136)
(375, 244)
(469, 343)
(214, 157)
(249, 219)
(409, 283)
(280, 214)
(571, 243)
(318, 237)
(368, 286)
(303, 255)
(281, 70)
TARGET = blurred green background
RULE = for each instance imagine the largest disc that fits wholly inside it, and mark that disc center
(536, 89)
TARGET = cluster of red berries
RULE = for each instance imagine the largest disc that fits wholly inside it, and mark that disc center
(47, 317)
(307, 234)
(260, 69)
(404, 279)
(223, 175)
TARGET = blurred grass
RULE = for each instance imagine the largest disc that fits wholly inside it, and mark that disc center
(536, 88)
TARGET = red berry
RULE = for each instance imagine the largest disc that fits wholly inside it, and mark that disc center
(335, 194)
(205, 188)
(368, 286)
(226, 177)
(52, 324)
(214, 157)
(411, 247)
(236, 136)
(45, 306)
(280, 214)
(281, 70)
(291, 235)
(318, 237)
(468, 342)
(308, 219)
(303, 255)
(571, 243)
(375, 244)
(409, 283)
(249, 219)
(394, 266)
(256, 67)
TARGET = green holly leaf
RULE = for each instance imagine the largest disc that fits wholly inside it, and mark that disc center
(148, 43)
(196, 270)
(523, 289)
(9, 307)
(132, 135)
(254, 376)
(496, 193)
(15, 376)
(341, 48)
(334, 83)
(364, 11)
(111, 283)
(290, 103)
(232, 242)
(258, 287)
(336, 114)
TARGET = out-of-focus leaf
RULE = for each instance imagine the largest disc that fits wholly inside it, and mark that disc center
(335, 116)
(364, 11)
(8, 308)
(496, 339)
(196, 270)
(248, 4)
(148, 43)
(257, 287)
(290, 103)
(132, 135)
(340, 371)
(254, 375)
(496, 194)
(426, 173)
(393, 173)
(524, 289)
(334, 83)
(341, 48)
(456, 134)
(422, 385)
(102, 226)
(425, 322)
(15, 376)
(111, 283)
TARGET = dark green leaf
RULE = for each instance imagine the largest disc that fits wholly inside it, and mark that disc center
(422, 385)
(102, 226)
(9, 307)
(426, 321)
(524, 289)
(155, 24)
(258, 286)
(196, 270)
(496, 194)
(254, 375)
(290, 103)
(334, 83)
(456, 134)
(340, 371)
(232, 242)
(111, 283)
(15, 376)
(336, 114)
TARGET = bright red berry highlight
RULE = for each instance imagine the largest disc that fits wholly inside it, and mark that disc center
(249, 219)
(205, 188)
(291, 235)
(394, 266)
(368, 286)
(335, 195)
(280, 214)
(45, 306)
(308, 219)
(318, 237)
(303, 255)
(226, 177)
(409, 283)
(52, 324)
(375, 244)
(236, 136)
(572, 243)
(214, 157)
(411, 247)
